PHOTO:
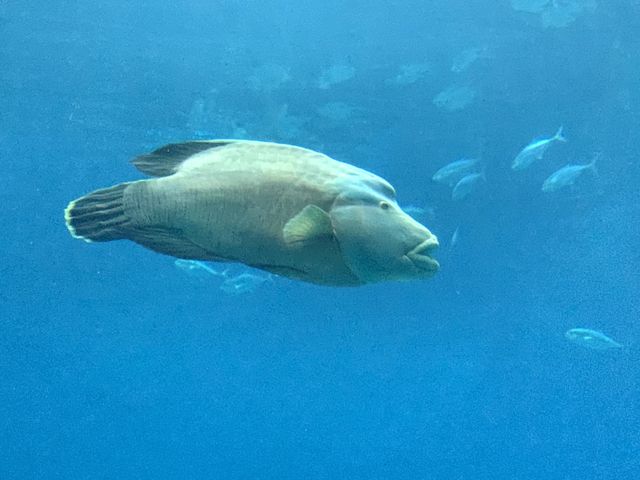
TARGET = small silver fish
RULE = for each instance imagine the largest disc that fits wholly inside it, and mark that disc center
(455, 98)
(198, 269)
(593, 339)
(413, 210)
(243, 283)
(468, 57)
(453, 172)
(467, 185)
(420, 213)
(535, 151)
(567, 175)
(455, 238)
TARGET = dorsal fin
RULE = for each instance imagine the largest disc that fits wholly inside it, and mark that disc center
(165, 160)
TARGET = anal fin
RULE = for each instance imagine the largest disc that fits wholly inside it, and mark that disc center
(171, 242)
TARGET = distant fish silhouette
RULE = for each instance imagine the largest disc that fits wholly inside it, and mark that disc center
(567, 175)
(467, 185)
(198, 269)
(243, 283)
(592, 339)
(453, 172)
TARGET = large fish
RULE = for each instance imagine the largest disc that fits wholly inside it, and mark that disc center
(535, 150)
(280, 208)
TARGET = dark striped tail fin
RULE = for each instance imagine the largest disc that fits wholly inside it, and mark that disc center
(98, 216)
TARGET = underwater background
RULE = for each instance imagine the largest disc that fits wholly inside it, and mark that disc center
(118, 363)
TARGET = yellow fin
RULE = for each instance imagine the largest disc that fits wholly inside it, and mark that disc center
(311, 223)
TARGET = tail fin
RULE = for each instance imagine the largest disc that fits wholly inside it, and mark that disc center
(483, 173)
(98, 216)
(558, 136)
(592, 164)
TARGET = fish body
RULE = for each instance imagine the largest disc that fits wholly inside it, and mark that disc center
(592, 339)
(198, 269)
(453, 172)
(280, 208)
(467, 185)
(334, 75)
(413, 210)
(455, 238)
(535, 151)
(243, 283)
(468, 57)
(455, 98)
(409, 74)
(566, 176)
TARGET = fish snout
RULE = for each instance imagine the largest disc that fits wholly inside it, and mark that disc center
(421, 255)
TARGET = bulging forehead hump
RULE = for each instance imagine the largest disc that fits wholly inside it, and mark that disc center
(365, 185)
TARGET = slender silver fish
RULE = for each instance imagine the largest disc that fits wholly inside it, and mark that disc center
(535, 151)
(453, 172)
(467, 185)
(592, 339)
(567, 175)
(243, 283)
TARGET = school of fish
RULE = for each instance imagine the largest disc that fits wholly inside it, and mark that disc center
(467, 175)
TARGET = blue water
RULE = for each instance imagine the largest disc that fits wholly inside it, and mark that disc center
(116, 364)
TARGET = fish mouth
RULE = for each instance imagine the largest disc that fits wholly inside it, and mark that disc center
(421, 257)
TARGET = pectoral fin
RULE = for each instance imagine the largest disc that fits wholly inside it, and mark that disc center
(310, 224)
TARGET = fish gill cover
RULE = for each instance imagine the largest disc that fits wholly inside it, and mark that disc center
(118, 362)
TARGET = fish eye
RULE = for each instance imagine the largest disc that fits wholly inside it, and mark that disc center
(384, 205)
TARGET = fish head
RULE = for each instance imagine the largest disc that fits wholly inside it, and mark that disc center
(549, 185)
(378, 240)
(441, 176)
(574, 335)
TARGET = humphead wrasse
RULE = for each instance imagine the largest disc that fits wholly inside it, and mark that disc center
(284, 209)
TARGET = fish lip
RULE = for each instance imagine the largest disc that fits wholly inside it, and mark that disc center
(421, 257)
